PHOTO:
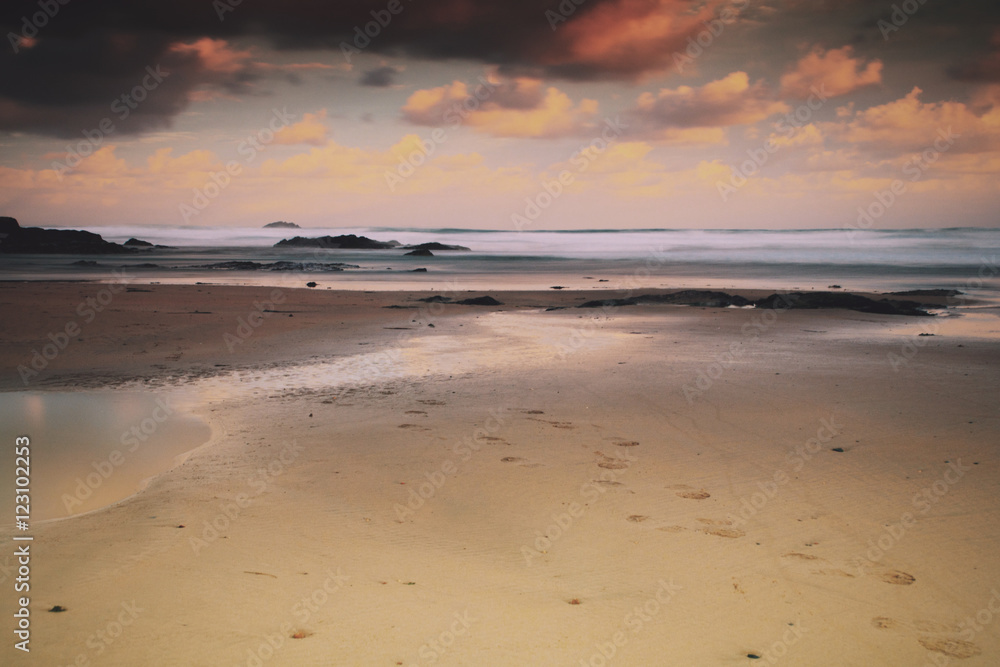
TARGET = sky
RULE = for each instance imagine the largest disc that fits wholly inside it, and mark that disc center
(515, 115)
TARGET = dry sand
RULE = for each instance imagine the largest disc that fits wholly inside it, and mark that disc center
(655, 483)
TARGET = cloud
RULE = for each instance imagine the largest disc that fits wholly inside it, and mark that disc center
(380, 77)
(61, 81)
(725, 102)
(909, 124)
(310, 130)
(627, 38)
(984, 68)
(519, 107)
(66, 86)
(155, 188)
(214, 55)
(835, 72)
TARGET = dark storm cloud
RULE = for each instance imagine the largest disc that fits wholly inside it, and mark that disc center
(80, 56)
(89, 53)
(380, 77)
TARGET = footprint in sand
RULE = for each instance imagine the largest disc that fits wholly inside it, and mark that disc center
(672, 529)
(897, 577)
(837, 573)
(533, 412)
(414, 426)
(637, 518)
(701, 494)
(627, 443)
(610, 462)
(716, 522)
(953, 648)
(512, 459)
(605, 482)
(415, 412)
(431, 402)
(811, 558)
(731, 533)
(949, 646)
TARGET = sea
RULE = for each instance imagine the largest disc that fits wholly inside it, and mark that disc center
(959, 258)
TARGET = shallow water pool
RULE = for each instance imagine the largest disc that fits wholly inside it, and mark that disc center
(91, 449)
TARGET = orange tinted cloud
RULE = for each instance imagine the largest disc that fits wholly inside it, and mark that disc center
(729, 101)
(628, 36)
(834, 72)
(519, 107)
(215, 55)
(909, 124)
(310, 130)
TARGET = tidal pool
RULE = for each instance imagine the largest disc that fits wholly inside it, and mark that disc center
(91, 449)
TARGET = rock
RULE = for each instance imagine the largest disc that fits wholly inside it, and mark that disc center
(281, 225)
(702, 298)
(243, 265)
(435, 299)
(310, 284)
(480, 301)
(23, 240)
(345, 242)
(138, 243)
(423, 252)
(927, 292)
(434, 245)
(420, 270)
(804, 300)
(9, 225)
(862, 304)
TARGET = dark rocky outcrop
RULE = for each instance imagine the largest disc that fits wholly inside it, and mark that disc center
(138, 243)
(9, 225)
(435, 299)
(434, 245)
(420, 270)
(239, 265)
(927, 292)
(704, 298)
(15, 239)
(280, 224)
(480, 301)
(422, 252)
(344, 242)
(862, 304)
(794, 300)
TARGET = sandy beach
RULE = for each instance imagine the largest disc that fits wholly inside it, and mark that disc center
(389, 481)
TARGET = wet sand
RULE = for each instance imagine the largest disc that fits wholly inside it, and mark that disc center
(648, 485)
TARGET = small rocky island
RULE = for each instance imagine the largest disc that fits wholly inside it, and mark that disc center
(353, 242)
(281, 224)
